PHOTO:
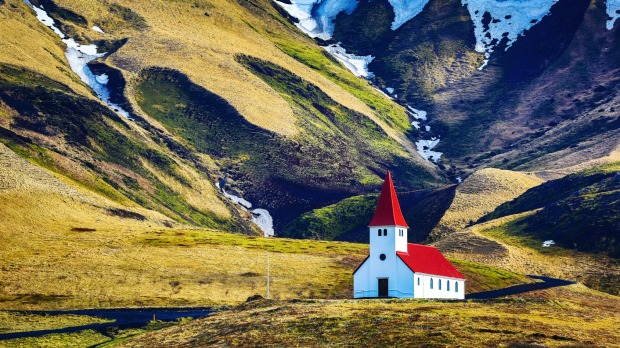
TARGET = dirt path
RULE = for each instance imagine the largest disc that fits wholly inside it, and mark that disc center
(547, 283)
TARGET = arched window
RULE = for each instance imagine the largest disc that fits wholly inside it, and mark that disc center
(456, 286)
(385, 231)
(439, 284)
(431, 283)
(379, 234)
(418, 281)
(448, 286)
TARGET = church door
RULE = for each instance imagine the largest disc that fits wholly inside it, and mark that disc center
(383, 287)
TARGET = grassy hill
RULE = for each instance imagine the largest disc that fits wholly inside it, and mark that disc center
(348, 219)
(579, 211)
(430, 214)
(215, 89)
(573, 316)
(504, 243)
(480, 194)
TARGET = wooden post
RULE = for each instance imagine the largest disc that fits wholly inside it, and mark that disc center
(268, 276)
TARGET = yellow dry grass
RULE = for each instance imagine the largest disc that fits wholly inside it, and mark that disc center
(480, 194)
(61, 248)
(182, 37)
(25, 42)
(551, 318)
(201, 194)
(23, 322)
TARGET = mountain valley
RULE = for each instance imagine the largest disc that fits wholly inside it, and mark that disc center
(154, 153)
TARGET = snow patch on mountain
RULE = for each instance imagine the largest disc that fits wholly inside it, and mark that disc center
(497, 20)
(316, 17)
(425, 149)
(260, 217)
(78, 57)
(264, 221)
(404, 10)
(357, 64)
(417, 114)
(97, 29)
(613, 11)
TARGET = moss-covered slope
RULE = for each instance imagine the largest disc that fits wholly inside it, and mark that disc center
(348, 219)
(340, 153)
(580, 211)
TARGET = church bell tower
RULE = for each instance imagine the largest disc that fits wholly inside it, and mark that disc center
(388, 229)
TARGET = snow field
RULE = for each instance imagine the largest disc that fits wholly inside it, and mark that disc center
(496, 20)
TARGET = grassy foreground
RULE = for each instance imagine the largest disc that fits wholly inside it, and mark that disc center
(563, 317)
(176, 267)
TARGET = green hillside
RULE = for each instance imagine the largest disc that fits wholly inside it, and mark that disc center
(348, 219)
(579, 211)
(295, 131)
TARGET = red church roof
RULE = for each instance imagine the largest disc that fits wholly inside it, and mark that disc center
(388, 210)
(428, 260)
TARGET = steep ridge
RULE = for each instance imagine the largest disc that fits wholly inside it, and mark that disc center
(165, 164)
(503, 66)
(579, 211)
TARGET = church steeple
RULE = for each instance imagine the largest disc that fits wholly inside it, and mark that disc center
(388, 211)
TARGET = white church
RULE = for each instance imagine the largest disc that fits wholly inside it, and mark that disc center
(395, 268)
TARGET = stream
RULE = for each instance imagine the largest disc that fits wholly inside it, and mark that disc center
(124, 318)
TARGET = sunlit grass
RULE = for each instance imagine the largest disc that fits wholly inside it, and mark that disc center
(552, 318)
(11, 321)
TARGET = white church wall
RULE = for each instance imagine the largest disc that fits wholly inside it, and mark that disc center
(403, 284)
(361, 283)
(391, 242)
(366, 279)
(425, 290)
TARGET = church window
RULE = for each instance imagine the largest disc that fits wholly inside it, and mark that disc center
(382, 257)
(379, 234)
(456, 287)
(448, 286)
(439, 284)
(431, 283)
(385, 231)
(418, 281)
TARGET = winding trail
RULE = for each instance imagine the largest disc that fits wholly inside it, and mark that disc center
(137, 317)
(124, 318)
(547, 283)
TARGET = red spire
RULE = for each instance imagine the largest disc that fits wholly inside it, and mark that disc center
(388, 210)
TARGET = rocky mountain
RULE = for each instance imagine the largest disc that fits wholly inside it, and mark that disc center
(260, 116)
(213, 113)
(525, 85)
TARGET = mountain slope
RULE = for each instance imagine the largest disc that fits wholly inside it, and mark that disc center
(155, 155)
(348, 219)
(479, 194)
(578, 211)
(507, 84)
